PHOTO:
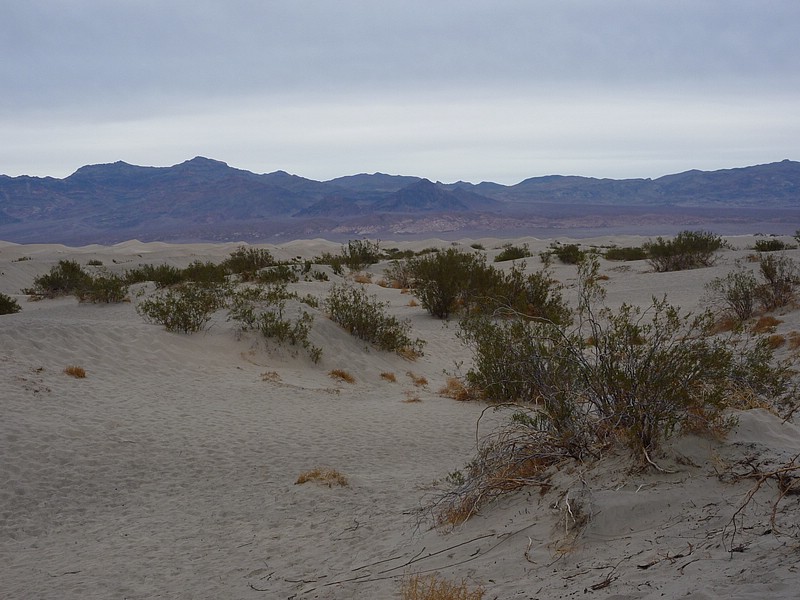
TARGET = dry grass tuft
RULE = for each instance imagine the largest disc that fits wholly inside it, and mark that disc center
(76, 372)
(456, 390)
(724, 324)
(363, 278)
(412, 303)
(776, 340)
(765, 324)
(390, 377)
(408, 353)
(342, 375)
(434, 587)
(412, 398)
(271, 376)
(329, 477)
(418, 380)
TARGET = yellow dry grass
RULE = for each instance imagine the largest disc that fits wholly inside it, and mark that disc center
(776, 340)
(412, 303)
(341, 375)
(329, 477)
(271, 376)
(418, 380)
(456, 390)
(363, 278)
(435, 587)
(765, 324)
(75, 371)
(390, 377)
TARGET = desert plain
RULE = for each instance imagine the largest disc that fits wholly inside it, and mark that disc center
(170, 470)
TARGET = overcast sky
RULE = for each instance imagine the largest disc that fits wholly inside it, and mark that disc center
(497, 90)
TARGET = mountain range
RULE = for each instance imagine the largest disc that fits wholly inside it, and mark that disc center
(207, 200)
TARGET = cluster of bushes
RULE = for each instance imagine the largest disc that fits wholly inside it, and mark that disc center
(687, 250)
(740, 293)
(69, 278)
(772, 245)
(632, 375)
(186, 307)
(365, 317)
(510, 252)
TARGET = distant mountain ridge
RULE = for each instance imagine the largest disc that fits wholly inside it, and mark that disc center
(205, 199)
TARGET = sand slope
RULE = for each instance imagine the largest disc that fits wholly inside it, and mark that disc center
(169, 470)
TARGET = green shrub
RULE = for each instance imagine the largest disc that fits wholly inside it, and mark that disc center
(335, 261)
(771, 245)
(510, 252)
(625, 253)
(104, 288)
(365, 317)
(358, 254)
(246, 262)
(8, 305)
(399, 274)
(187, 307)
(204, 273)
(281, 273)
(162, 275)
(688, 250)
(66, 278)
(736, 292)
(781, 278)
(535, 296)
(451, 280)
(569, 254)
(263, 310)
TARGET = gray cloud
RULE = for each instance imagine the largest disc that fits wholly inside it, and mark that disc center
(378, 82)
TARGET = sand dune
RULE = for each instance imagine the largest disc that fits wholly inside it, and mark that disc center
(169, 471)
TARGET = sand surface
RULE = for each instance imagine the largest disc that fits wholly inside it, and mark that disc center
(169, 471)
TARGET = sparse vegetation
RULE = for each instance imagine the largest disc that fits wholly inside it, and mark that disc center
(735, 292)
(781, 278)
(455, 389)
(417, 380)
(358, 254)
(64, 279)
(569, 254)
(390, 377)
(247, 262)
(771, 245)
(625, 253)
(104, 288)
(186, 308)
(687, 250)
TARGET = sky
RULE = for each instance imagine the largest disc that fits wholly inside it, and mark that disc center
(473, 90)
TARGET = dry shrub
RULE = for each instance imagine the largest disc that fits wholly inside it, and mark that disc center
(75, 371)
(412, 398)
(776, 340)
(434, 587)
(419, 380)
(456, 390)
(390, 377)
(602, 278)
(329, 477)
(724, 324)
(765, 324)
(363, 278)
(412, 303)
(753, 258)
(408, 353)
(341, 375)
(271, 376)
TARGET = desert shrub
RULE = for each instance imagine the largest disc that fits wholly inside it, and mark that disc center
(8, 305)
(65, 278)
(104, 288)
(477, 246)
(94, 263)
(454, 388)
(736, 293)
(569, 254)
(633, 375)
(399, 274)
(451, 280)
(281, 273)
(771, 245)
(781, 278)
(187, 307)
(358, 254)
(335, 261)
(765, 324)
(510, 252)
(687, 250)
(625, 253)
(162, 275)
(366, 318)
(204, 273)
(397, 254)
(246, 262)
(263, 309)
(434, 587)
(388, 376)
(535, 295)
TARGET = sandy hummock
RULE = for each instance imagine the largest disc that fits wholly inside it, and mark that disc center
(169, 470)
